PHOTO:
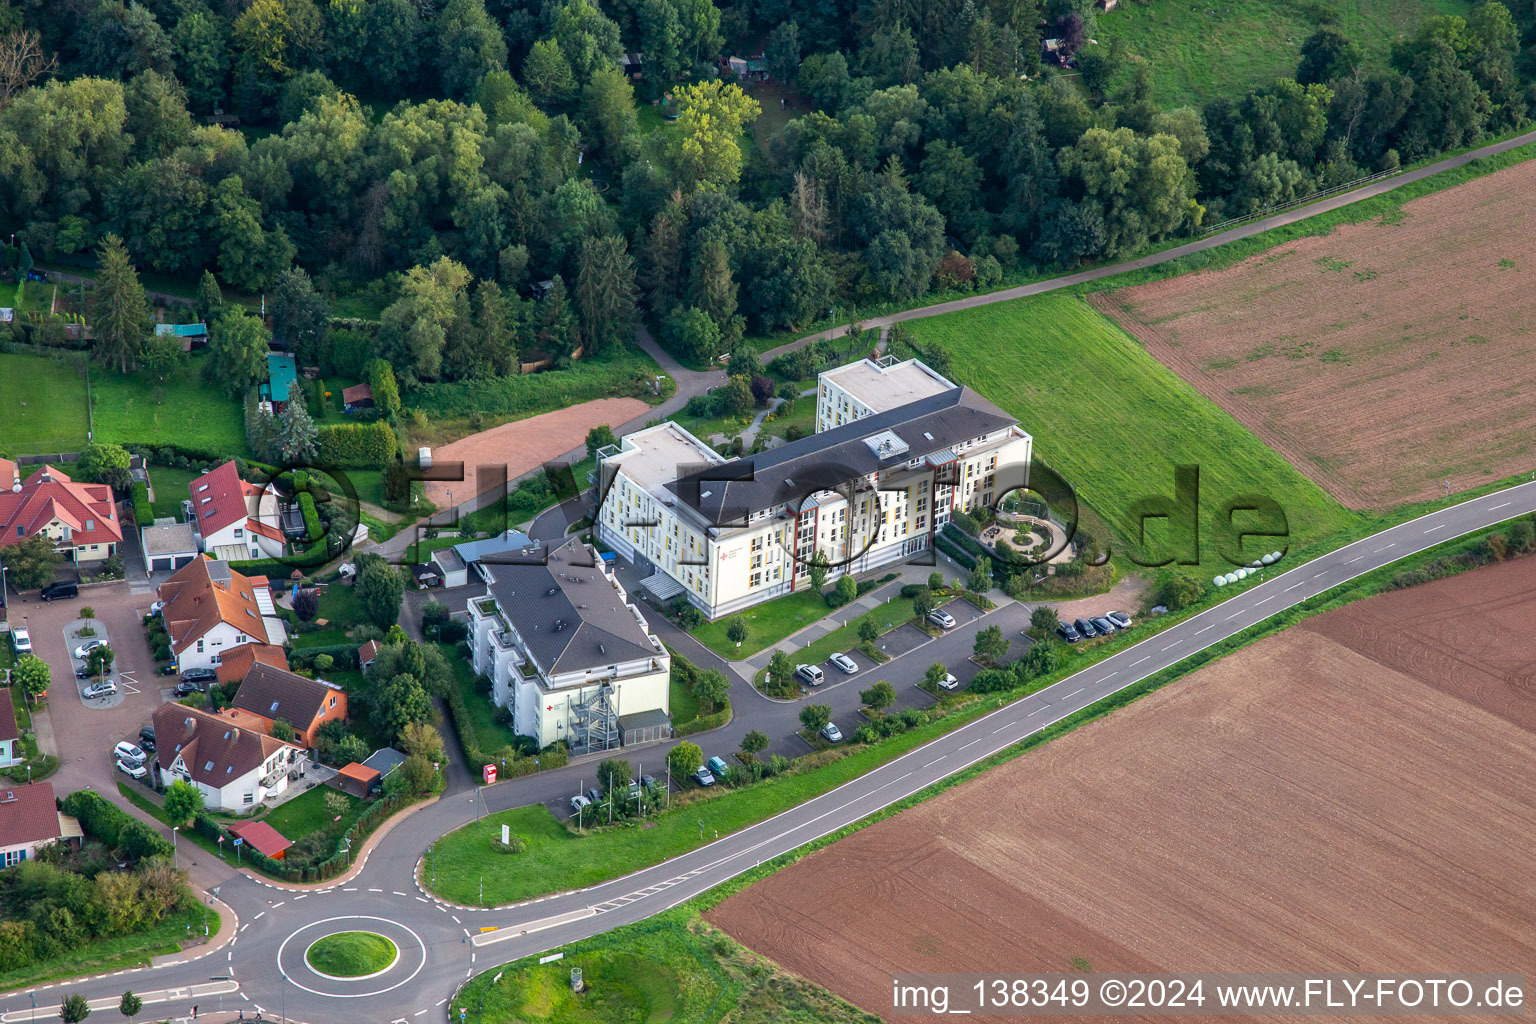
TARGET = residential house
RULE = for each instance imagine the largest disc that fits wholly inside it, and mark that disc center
(11, 751)
(282, 380)
(168, 545)
(269, 693)
(81, 519)
(233, 767)
(209, 610)
(234, 665)
(358, 396)
(30, 820)
(898, 450)
(568, 652)
(234, 519)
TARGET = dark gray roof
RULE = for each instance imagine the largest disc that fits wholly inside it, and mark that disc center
(831, 458)
(567, 611)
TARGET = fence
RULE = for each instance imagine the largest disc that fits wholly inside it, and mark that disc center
(1270, 211)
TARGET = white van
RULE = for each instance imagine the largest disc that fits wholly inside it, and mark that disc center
(810, 674)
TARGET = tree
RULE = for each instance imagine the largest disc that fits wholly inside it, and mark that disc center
(991, 645)
(418, 775)
(605, 293)
(22, 62)
(936, 674)
(380, 588)
(398, 702)
(99, 660)
(869, 630)
(105, 464)
(922, 603)
(118, 309)
(712, 116)
(936, 580)
(1178, 590)
(981, 575)
(296, 437)
(183, 800)
(846, 589)
(689, 332)
(31, 673)
(306, 604)
(781, 674)
(782, 51)
(712, 688)
(299, 313)
(614, 774)
(547, 74)
(608, 114)
(881, 695)
(282, 729)
(386, 390)
(817, 566)
(209, 300)
(74, 1009)
(736, 630)
(685, 758)
(1327, 54)
(754, 743)
(470, 45)
(31, 563)
(1138, 187)
(419, 738)
(413, 329)
(600, 436)
(1044, 657)
(237, 351)
(130, 1005)
(1043, 619)
(814, 716)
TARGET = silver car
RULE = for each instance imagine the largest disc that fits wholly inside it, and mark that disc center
(98, 690)
(845, 663)
(831, 733)
(941, 618)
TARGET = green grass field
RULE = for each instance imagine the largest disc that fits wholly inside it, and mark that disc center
(133, 409)
(846, 637)
(1198, 51)
(170, 489)
(307, 813)
(1114, 421)
(351, 954)
(680, 700)
(767, 623)
(42, 405)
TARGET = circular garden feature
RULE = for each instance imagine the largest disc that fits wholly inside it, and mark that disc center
(352, 954)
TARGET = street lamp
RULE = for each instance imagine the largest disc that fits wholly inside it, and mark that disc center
(284, 993)
(174, 830)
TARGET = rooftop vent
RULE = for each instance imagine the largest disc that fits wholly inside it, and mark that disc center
(551, 592)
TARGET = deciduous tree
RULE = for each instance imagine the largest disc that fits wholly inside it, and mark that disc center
(237, 351)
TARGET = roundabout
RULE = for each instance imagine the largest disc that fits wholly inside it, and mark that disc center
(353, 956)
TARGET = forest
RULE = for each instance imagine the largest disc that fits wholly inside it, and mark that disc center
(512, 179)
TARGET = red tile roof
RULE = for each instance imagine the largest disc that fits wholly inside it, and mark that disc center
(362, 773)
(8, 730)
(356, 393)
(28, 814)
(233, 666)
(367, 653)
(220, 498)
(215, 751)
(48, 495)
(195, 602)
(261, 837)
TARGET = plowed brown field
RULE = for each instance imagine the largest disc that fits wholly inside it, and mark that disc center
(1381, 359)
(1354, 794)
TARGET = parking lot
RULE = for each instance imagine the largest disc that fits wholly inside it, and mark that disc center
(85, 732)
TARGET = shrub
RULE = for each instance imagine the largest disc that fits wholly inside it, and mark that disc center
(357, 445)
(143, 514)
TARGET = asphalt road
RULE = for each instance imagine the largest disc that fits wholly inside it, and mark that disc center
(442, 946)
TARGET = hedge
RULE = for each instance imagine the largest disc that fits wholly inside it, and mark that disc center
(475, 756)
(344, 656)
(356, 445)
(373, 815)
(944, 544)
(114, 826)
(703, 723)
(275, 571)
(143, 514)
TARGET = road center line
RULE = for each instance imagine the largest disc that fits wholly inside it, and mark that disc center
(1271, 597)
(1432, 529)
(1495, 508)
(935, 760)
(1074, 693)
(1352, 561)
(1172, 645)
(1287, 590)
(1139, 661)
(1202, 629)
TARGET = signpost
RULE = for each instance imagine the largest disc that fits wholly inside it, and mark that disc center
(238, 843)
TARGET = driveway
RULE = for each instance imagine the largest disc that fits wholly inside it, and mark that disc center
(85, 735)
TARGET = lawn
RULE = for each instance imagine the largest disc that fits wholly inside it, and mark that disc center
(351, 954)
(170, 489)
(680, 699)
(115, 954)
(767, 623)
(184, 410)
(307, 813)
(491, 734)
(846, 637)
(42, 405)
(1198, 51)
(1115, 421)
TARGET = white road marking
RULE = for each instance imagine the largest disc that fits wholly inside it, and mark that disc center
(1202, 629)
(1352, 561)
(1287, 590)
(1173, 645)
(1138, 662)
(1495, 508)
(456, 919)
(936, 760)
(1384, 547)
(1271, 597)
(276, 905)
(259, 916)
(977, 740)
(1432, 529)
(1074, 693)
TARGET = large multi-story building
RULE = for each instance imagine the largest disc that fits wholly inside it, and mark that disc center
(897, 449)
(568, 652)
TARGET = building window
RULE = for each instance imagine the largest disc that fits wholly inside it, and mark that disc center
(199, 647)
(250, 798)
(239, 534)
(14, 857)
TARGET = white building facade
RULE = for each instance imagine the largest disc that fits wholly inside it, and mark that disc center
(568, 652)
(898, 448)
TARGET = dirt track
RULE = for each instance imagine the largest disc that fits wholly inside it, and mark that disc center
(1381, 359)
(1323, 800)
(526, 444)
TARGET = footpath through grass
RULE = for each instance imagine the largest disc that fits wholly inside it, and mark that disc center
(1115, 422)
(767, 624)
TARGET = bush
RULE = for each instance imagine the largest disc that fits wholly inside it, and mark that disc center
(143, 514)
(357, 445)
(114, 827)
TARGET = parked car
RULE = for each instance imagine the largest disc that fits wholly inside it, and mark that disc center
(595, 795)
(199, 675)
(185, 689)
(126, 751)
(84, 673)
(22, 640)
(717, 767)
(147, 737)
(949, 682)
(133, 771)
(941, 618)
(154, 609)
(86, 648)
(1120, 619)
(1068, 632)
(97, 690)
(1086, 628)
(1103, 625)
(831, 733)
(810, 674)
(704, 777)
(845, 663)
(56, 590)
(647, 781)
(578, 802)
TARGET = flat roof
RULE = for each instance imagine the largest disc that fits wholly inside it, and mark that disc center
(281, 374)
(176, 539)
(654, 457)
(889, 387)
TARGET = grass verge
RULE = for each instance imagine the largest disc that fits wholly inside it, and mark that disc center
(351, 954)
(767, 624)
(117, 954)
